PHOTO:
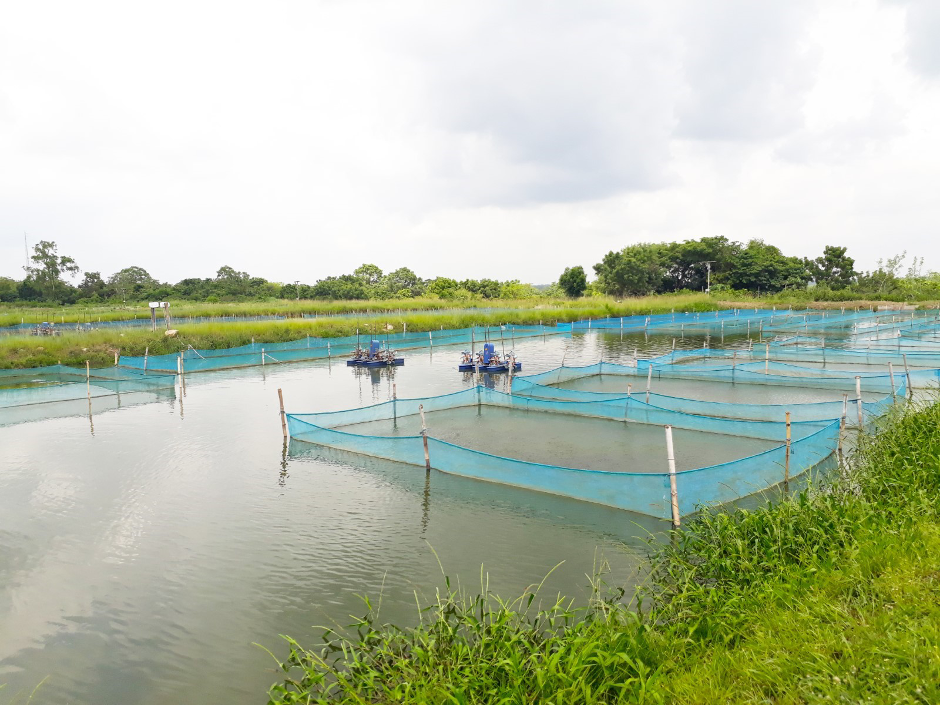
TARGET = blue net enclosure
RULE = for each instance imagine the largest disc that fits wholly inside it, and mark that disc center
(608, 381)
(610, 452)
(311, 348)
(36, 393)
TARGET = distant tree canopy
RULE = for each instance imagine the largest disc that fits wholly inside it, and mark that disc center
(638, 269)
(573, 281)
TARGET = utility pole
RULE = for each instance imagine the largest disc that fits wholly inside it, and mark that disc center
(708, 264)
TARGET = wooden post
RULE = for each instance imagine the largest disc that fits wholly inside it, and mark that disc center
(395, 416)
(892, 382)
(179, 364)
(767, 355)
(908, 377)
(649, 375)
(284, 423)
(262, 357)
(839, 446)
(859, 403)
(734, 352)
(787, 447)
(166, 314)
(308, 340)
(671, 464)
(146, 355)
(328, 350)
(424, 436)
(88, 379)
(115, 359)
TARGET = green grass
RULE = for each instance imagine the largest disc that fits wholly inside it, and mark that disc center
(827, 597)
(78, 313)
(98, 346)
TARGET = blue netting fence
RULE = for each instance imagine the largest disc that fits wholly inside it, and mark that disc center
(647, 493)
(312, 348)
(800, 411)
(782, 374)
(60, 383)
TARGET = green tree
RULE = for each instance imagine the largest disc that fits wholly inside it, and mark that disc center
(833, 269)
(132, 282)
(403, 283)
(49, 267)
(635, 270)
(443, 287)
(92, 285)
(573, 281)
(759, 267)
(369, 274)
(685, 263)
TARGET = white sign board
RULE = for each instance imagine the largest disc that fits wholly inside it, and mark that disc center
(158, 305)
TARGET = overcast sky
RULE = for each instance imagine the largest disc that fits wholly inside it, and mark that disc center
(475, 139)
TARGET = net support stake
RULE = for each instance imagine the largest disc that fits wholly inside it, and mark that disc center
(395, 416)
(767, 356)
(116, 359)
(284, 424)
(892, 382)
(787, 447)
(671, 464)
(649, 375)
(424, 436)
(262, 357)
(859, 403)
(146, 355)
(908, 377)
(839, 445)
(88, 379)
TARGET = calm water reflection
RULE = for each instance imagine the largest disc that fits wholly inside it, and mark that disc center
(144, 549)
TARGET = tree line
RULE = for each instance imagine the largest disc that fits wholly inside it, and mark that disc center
(715, 263)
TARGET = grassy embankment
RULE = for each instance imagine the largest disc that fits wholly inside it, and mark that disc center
(829, 597)
(98, 346)
(78, 313)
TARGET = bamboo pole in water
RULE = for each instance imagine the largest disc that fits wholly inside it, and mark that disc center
(859, 404)
(284, 424)
(787, 447)
(671, 464)
(649, 375)
(892, 382)
(839, 445)
(908, 377)
(424, 436)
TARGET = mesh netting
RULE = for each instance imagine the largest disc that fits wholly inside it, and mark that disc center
(311, 348)
(38, 393)
(800, 411)
(648, 493)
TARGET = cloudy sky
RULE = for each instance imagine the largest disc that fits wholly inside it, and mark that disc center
(466, 139)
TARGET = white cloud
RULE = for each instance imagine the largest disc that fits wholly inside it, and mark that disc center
(296, 140)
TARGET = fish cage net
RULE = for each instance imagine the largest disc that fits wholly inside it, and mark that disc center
(715, 398)
(623, 474)
(312, 348)
(35, 393)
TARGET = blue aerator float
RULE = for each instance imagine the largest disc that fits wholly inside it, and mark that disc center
(375, 357)
(487, 361)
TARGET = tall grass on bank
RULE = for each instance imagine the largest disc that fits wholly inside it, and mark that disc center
(81, 313)
(830, 596)
(98, 346)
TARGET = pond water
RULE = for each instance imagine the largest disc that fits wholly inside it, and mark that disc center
(144, 549)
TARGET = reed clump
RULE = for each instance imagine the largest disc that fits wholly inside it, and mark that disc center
(829, 596)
